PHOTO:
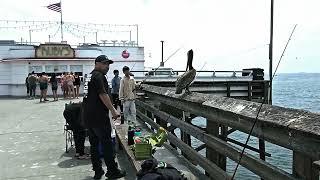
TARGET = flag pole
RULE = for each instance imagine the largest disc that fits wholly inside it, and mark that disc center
(61, 22)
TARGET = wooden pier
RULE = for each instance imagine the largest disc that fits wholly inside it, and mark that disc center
(297, 130)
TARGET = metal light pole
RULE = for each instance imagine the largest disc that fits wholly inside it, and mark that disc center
(30, 36)
(271, 52)
(161, 63)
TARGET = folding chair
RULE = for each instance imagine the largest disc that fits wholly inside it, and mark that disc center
(68, 135)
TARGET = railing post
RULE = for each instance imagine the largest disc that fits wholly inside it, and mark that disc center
(249, 91)
(158, 120)
(150, 115)
(223, 136)
(228, 89)
(184, 136)
(302, 167)
(266, 92)
(211, 154)
(262, 150)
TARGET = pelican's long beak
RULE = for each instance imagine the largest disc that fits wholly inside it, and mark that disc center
(190, 58)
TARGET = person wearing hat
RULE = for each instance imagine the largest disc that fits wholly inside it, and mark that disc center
(96, 107)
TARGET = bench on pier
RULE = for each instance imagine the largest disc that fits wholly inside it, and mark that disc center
(165, 153)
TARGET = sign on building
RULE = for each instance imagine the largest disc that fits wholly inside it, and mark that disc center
(55, 51)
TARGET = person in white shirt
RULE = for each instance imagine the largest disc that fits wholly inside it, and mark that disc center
(127, 95)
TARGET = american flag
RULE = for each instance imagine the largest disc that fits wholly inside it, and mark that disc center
(55, 7)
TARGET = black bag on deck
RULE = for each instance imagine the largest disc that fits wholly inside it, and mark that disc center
(151, 169)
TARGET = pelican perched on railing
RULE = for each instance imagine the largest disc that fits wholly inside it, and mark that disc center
(184, 81)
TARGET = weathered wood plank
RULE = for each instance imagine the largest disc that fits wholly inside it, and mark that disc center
(185, 137)
(231, 131)
(247, 146)
(249, 91)
(223, 136)
(302, 167)
(168, 154)
(214, 171)
(211, 153)
(121, 132)
(298, 130)
(261, 168)
(199, 148)
(162, 154)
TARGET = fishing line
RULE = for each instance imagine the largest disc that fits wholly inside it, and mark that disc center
(294, 28)
(260, 107)
(198, 74)
(160, 65)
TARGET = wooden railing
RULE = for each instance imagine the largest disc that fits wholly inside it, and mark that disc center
(293, 129)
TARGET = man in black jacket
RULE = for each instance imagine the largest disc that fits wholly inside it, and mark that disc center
(96, 117)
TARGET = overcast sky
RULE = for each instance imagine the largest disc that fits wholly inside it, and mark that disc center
(225, 35)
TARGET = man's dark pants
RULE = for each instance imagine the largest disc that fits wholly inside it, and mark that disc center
(32, 90)
(116, 101)
(102, 135)
(27, 85)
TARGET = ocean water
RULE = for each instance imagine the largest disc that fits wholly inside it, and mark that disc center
(299, 91)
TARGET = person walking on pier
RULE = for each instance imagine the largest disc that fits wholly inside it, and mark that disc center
(96, 117)
(115, 90)
(127, 95)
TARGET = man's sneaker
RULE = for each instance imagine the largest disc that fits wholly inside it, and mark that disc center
(98, 174)
(115, 175)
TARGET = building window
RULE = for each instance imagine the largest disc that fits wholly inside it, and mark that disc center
(36, 69)
(56, 68)
(49, 69)
(76, 68)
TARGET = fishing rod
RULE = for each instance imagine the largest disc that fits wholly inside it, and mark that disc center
(256, 118)
(294, 28)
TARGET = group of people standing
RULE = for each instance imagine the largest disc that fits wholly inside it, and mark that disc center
(43, 80)
(70, 85)
(123, 93)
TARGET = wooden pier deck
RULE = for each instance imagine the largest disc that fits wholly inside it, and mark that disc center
(297, 130)
(32, 138)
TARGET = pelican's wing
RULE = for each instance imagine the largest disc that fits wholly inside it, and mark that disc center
(185, 79)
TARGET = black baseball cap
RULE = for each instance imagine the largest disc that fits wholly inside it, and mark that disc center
(103, 59)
